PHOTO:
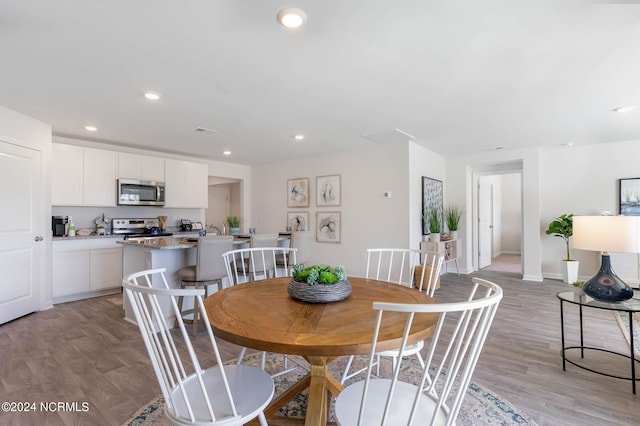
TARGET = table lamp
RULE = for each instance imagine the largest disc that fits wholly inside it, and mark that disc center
(619, 234)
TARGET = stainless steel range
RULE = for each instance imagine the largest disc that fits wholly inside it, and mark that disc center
(137, 228)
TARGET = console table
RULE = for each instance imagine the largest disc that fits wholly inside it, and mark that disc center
(577, 297)
(449, 249)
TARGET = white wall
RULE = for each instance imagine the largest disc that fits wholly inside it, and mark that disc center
(582, 180)
(511, 214)
(368, 218)
(461, 180)
(422, 162)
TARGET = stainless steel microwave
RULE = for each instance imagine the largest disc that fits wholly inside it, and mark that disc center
(133, 192)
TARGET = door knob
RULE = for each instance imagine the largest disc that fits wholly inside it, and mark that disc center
(38, 238)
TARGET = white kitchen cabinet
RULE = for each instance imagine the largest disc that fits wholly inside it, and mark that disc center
(83, 176)
(141, 167)
(85, 268)
(186, 184)
(175, 173)
(100, 177)
(70, 273)
(197, 185)
(67, 188)
(106, 268)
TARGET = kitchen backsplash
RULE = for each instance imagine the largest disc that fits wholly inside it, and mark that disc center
(84, 217)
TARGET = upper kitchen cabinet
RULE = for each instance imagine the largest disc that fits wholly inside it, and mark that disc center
(83, 176)
(100, 177)
(141, 167)
(186, 184)
(67, 187)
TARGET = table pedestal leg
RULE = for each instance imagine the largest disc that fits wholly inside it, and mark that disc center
(321, 382)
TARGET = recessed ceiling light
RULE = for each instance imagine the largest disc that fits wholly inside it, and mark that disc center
(624, 109)
(292, 17)
(226, 152)
(299, 137)
(152, 96)
(91, 128)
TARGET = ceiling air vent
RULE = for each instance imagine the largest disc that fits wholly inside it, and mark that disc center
(390, 136)
(205, 130)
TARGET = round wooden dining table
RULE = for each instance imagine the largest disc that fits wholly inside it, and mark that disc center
(261, 315)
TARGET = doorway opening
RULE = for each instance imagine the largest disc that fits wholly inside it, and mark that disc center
(225, 199)
(499, 226)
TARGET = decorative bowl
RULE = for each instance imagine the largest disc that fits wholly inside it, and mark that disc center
(319, 293)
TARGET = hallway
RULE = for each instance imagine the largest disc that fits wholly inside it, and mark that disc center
(505, 263)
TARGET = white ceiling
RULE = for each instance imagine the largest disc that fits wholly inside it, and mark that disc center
(462, 76)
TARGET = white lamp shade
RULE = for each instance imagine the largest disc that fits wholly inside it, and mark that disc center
(618, 234)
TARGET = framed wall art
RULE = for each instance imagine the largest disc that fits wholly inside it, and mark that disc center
(629, 197)
(298, 192)
(432, 199)
(298, 221)
(328, 227)
(328, 191)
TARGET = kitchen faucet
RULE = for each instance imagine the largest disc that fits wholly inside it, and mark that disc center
(223, 232)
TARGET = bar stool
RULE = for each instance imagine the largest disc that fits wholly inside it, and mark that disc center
(209, 269)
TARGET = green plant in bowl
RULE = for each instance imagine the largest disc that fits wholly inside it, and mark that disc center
(318, 274)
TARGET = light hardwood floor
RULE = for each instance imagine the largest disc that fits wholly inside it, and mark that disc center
(85, 352)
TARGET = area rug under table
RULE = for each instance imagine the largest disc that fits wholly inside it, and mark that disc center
(479, 407)
(623, 321)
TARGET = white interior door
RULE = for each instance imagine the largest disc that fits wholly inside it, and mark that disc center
(22, 247)
(485, 220)
(218, 209)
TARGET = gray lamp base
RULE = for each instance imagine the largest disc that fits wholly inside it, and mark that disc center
(606, 285)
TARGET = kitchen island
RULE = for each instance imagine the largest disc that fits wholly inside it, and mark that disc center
(160, 252)
(152, 253)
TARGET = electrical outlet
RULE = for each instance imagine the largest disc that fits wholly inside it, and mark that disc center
(387, 194)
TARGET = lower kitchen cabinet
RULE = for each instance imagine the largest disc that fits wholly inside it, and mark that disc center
(86, 268)
(106, 269)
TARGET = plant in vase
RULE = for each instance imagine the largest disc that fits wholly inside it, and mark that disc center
(434, 226)
(233, 222)
(319, 284)
(452, 216)
(563, 227)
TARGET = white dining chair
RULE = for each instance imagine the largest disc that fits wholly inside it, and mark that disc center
(398, 266)
(193, 394)
(258, 264)
(435, 397)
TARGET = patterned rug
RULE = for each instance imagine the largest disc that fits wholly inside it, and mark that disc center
(480, 406)
(623, 321)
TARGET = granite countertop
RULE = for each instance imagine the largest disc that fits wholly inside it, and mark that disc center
(94, 236)
(162, 243)
(86, 237)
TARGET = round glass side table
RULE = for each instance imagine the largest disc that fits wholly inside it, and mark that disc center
(577, 297)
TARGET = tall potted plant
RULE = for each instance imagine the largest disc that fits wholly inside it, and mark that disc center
(434, 226)
(452, 216)
(563, 227)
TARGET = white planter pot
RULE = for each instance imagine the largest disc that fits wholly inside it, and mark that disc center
(570, 271)
(435, 237)
(453, 234)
